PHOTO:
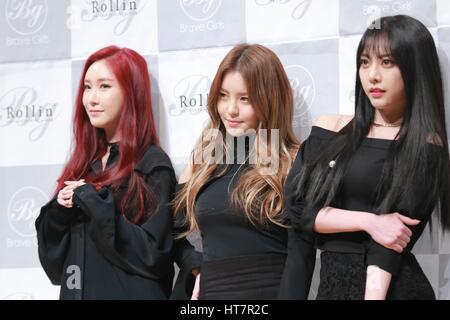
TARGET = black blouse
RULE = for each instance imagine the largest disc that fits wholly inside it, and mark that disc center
(226, 231)
(115, 258)
(357, 193)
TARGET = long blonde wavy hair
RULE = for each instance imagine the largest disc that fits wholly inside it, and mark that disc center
(258, 194)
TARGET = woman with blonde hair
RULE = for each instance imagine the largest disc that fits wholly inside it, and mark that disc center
(232, 190)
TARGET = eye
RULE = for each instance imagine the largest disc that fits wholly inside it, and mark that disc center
(244, 99)
(387, 62)
(87, 87)
(364, 61)
(105, 86)
(222, 95)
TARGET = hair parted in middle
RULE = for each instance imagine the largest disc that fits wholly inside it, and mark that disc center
(258, 194)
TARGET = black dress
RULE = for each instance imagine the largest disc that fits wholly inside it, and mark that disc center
(240, 260)
(93, 252)
(345, 256)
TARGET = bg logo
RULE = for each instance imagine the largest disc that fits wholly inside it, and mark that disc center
(23, 209)
(300, 7)
(26, 17)
(200, 10)
(303, 88)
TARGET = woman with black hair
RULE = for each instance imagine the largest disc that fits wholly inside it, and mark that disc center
(366, 186)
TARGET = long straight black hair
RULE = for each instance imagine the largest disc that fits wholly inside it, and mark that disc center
(419, 158)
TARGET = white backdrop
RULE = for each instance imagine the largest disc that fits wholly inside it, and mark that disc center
(43, 44)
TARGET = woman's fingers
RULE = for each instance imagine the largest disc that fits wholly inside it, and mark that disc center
(407, 220)
(405, 238)
(397, 248)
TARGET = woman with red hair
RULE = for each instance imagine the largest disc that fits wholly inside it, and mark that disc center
(108, 232)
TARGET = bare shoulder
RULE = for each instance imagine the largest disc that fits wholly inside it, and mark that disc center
(333, 122)
(185, 174)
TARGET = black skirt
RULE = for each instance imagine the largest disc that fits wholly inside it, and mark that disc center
(242, 278)
(343, 277)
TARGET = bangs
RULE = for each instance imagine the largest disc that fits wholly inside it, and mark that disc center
(375, 43)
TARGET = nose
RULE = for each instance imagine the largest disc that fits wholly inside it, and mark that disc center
(93, 97)
(233, 109)
(374, 73)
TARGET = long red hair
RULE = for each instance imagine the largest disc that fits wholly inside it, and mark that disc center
(137, 132)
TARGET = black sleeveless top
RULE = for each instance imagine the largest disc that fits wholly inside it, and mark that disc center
(226, 231)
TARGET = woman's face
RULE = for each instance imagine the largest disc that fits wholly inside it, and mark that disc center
(102, 97)
(235, 110)
(382, 82)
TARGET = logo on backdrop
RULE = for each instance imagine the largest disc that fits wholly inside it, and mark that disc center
(201, 11)
(300, 7)
(124, 11)
(26, 18)
(191, 94)
(23, 209)
(304, 91)
(20, 107)
(384, 8)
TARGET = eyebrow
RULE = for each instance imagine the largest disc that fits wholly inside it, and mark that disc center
(245, 93)
(367, 55)
(99, 80)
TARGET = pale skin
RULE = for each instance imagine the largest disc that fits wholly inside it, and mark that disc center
(237, 115)
(383, 84)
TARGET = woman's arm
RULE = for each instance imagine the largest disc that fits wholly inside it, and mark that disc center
(138, 249)
(53, 235)
(389, 230)
(377, 283)
(187, 258)
(299, 267)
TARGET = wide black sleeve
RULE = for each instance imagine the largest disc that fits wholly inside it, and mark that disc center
(143, 249)
(301, 258)
(299, 267)
(301, 214)
(53, 236)
(386, 259)
(186, 258)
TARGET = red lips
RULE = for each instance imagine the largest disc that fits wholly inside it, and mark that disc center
(95, 112)
(233, 123)
(377, 92)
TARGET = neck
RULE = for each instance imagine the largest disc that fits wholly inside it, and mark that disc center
(112, 137)
(388, 119)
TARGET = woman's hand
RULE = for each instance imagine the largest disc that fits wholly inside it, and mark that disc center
(390, 230)
(64, 197)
